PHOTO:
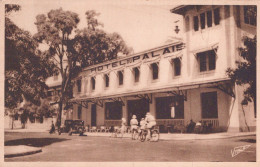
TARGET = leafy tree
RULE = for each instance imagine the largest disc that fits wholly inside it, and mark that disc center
(96, 46)
(11, 7)
(33, 111)
(45, 109)
(92, 22)
(56, 29)
(26, 67)
(245, 73)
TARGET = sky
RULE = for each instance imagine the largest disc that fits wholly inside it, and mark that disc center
(143, 24)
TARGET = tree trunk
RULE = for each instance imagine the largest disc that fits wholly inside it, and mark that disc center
(59, 114)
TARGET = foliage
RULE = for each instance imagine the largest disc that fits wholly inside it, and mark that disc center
(26, 68)
(12, 7)
(92, 22)
(245, 73)
(45, 109)
(70, 51)
(32, 111)
(96, 46)
(252, 11)
(54, 29)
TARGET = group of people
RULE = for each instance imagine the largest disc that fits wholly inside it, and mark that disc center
(146, 123)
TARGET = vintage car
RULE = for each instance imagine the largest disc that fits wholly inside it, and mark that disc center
(72, 126)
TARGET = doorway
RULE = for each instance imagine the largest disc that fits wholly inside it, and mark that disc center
(93, 115)
(138, 108)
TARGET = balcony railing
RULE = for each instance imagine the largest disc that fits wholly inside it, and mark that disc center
(214, 122)
(112, 123)
(167, 122)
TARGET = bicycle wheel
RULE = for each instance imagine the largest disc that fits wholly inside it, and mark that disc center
(155, 135)
(135, 135)
(143, 136)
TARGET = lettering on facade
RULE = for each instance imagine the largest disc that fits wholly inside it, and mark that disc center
(145, 56)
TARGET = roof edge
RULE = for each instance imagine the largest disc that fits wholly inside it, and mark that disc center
(178, 41)
(179, 9)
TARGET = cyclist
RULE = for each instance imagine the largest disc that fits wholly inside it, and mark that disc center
(142, 123)
(149, 118)
(133, 123)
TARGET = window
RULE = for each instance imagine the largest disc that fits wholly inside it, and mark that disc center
(187, 24)
(79, 85)
(79, 112)
(113, 110)
(155, 70)
(120, 77)
(202, 20)
(93, 83)
(216, 16)
(136, 74)
(207, 60)
(250, 15)
(196, 23)
(55, 93)
(212, 60)
(209, 18)
(49, 93)
(205, 19)
(203, 62)
(164, 105)
(177, 66)
(209, 105)
(106, 80)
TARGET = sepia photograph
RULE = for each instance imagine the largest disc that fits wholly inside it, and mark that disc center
(129, 81)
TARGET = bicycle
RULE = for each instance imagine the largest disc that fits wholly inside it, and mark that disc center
(155, 135)
(135, 134)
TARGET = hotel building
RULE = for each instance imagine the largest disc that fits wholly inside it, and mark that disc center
(176, 82)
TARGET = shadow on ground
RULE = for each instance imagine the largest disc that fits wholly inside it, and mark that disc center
(35, 142)
(248, 140)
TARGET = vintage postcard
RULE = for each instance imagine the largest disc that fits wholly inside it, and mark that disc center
(129, 83)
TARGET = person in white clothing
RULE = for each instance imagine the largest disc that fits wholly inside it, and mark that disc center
(142, 123)
(134, 123)
(149, 118)
(123, 125)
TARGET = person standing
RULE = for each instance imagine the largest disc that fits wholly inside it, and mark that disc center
(123, 125)
(133, 123)
(52, 130)
(149, 118)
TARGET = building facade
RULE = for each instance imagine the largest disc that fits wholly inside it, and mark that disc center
(176, 82)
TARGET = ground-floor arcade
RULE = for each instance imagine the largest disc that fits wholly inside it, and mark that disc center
(216, 103)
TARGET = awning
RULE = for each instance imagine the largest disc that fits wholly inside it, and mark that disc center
(203, 49)
(173, 56)
(179, 87)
